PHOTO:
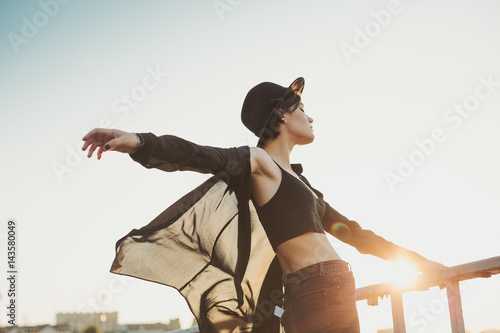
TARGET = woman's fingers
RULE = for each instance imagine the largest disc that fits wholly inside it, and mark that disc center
(97, 135)
(89, 138)
(96, 132)
(99, 152)
(96, 138)
(89, 134)
(92, 148)
(86, 144)
(110, 145)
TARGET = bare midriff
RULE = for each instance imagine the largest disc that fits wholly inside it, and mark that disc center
(305, 250)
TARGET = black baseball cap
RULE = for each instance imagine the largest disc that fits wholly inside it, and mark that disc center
(265, 99)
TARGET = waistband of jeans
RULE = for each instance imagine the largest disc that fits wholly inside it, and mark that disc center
(320, 268)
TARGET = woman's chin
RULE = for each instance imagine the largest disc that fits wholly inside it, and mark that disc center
(306, 140)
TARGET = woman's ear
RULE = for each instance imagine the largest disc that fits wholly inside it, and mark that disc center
(283, 117)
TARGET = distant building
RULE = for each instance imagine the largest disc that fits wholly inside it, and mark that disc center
(193, 329)
(174, 324)
(107, 322)
(37, 329)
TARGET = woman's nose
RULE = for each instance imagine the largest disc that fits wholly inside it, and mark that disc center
(310, 119)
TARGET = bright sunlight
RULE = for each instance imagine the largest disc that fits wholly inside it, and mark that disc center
(402, 274)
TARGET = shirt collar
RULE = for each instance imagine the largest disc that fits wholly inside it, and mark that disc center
(297, 168)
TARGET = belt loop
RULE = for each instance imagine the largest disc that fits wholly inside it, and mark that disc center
(283, 292)
(321, 269)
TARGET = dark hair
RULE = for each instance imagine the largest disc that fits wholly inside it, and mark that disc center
(271, 130)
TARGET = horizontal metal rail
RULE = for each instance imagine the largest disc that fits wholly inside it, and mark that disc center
(448, 277)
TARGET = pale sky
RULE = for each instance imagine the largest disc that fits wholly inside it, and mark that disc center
(405, 98)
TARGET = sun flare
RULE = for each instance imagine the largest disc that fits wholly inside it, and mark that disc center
(402, 274)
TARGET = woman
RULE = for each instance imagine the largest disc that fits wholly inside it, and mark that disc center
(319, 291)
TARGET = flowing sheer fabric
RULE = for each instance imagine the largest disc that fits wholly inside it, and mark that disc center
(209, 245)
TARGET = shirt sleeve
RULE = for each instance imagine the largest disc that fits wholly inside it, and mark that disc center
(365, 241)
(171, 153)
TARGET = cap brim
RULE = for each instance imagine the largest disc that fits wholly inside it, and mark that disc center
(296, 88)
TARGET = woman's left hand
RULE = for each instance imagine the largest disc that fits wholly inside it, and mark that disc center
(429, 265)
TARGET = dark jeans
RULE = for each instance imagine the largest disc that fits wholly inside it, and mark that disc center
(320, 298)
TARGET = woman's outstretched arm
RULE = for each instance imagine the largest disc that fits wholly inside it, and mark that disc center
(171, 153)
(366, 241)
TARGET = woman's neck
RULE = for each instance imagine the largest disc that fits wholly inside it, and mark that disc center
(279, 151)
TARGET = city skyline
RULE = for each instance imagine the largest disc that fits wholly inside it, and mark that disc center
(172, 325)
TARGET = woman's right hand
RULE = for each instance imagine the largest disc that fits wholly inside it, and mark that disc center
(109, 139)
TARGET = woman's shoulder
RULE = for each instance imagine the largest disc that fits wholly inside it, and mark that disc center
(262, 163)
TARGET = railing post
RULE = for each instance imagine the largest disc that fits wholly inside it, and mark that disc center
(455, 306)
(398, 316)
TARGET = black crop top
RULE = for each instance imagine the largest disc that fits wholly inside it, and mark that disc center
(293, 211)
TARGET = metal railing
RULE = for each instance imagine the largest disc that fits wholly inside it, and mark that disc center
(449, 277)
